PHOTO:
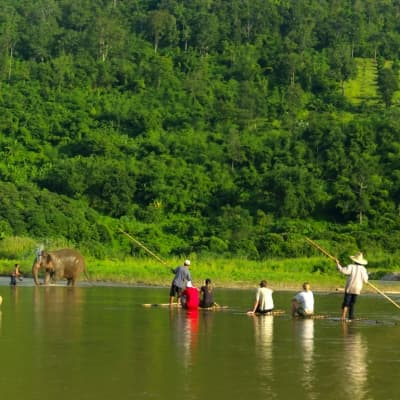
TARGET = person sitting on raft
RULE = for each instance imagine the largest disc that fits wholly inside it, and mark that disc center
(303, 302)
(207, 294)
(264, 303)
(190, 298)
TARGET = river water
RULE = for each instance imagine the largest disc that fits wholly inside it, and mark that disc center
(99, 342)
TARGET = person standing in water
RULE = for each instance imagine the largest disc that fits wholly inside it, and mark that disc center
(182, 276)
(15, 274)
(357, 275)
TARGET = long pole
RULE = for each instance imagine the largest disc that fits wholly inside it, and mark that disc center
(383, 294)
(143, 247)
(335, 259)
(316, 245)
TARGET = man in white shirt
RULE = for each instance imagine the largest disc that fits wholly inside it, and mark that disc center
(357, 275)
(264, 303)
(303, 302)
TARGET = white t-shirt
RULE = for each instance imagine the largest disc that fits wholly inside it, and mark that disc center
(356, 276)
(264, 298)
(306, 301)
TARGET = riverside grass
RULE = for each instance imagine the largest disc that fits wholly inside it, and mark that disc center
(283, 274)
(288, 273)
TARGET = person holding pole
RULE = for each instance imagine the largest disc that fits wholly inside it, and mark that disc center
(182, 275)
(357, 275)
(317, 246)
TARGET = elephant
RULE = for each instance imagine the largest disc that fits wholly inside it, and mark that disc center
(64, 263)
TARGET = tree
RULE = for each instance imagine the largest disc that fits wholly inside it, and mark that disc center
(37, 39)
(162, 25)
(387, 84)
(342, 64)
(9, 20)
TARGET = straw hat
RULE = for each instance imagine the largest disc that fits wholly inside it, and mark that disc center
(359, 259)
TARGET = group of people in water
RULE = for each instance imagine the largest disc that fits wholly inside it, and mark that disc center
(186, 294)
(302, 304)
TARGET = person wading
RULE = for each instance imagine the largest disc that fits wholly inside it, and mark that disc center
(182, 276)
(15, 274)
(357, 275)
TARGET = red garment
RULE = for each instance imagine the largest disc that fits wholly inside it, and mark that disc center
(192, 298)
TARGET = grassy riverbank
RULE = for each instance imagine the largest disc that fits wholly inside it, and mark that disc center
(235, 273)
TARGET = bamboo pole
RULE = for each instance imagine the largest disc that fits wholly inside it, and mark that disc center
(383, 294)
(143, 247)
(317, 246)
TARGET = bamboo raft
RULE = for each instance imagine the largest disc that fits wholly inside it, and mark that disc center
(175, 305)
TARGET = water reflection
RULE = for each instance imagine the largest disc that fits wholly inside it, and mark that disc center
(186, 327)
(264, 335)
(191, 335)
(355, 365)
(15, 294)
(304, 330)
(55, 308)
(108, 345)
(1, 301)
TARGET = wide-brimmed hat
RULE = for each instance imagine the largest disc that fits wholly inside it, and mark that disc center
(359, 259)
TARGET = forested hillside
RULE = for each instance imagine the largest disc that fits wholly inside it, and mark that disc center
(209, 126)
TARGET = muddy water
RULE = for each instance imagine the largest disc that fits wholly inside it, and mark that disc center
(101, 343)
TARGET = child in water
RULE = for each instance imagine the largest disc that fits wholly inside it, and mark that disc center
(16, 274)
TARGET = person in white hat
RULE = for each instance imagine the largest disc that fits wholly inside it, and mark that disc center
(182, 275)
(357, 275)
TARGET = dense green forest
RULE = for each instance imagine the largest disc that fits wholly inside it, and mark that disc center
(232, 128)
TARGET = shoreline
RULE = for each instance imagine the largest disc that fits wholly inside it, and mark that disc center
(388, 287)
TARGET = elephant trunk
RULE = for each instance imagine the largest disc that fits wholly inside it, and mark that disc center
(35, 270)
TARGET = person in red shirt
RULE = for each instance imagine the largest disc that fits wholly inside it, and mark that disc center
(190, 297)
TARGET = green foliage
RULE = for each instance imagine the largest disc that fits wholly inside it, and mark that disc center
(220, 128)
(387, 84)
(15, 247)
(363, 87)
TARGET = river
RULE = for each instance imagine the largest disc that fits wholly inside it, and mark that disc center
(99, 342)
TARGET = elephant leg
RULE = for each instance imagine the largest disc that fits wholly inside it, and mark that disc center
(47, 277)
(69, 282)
